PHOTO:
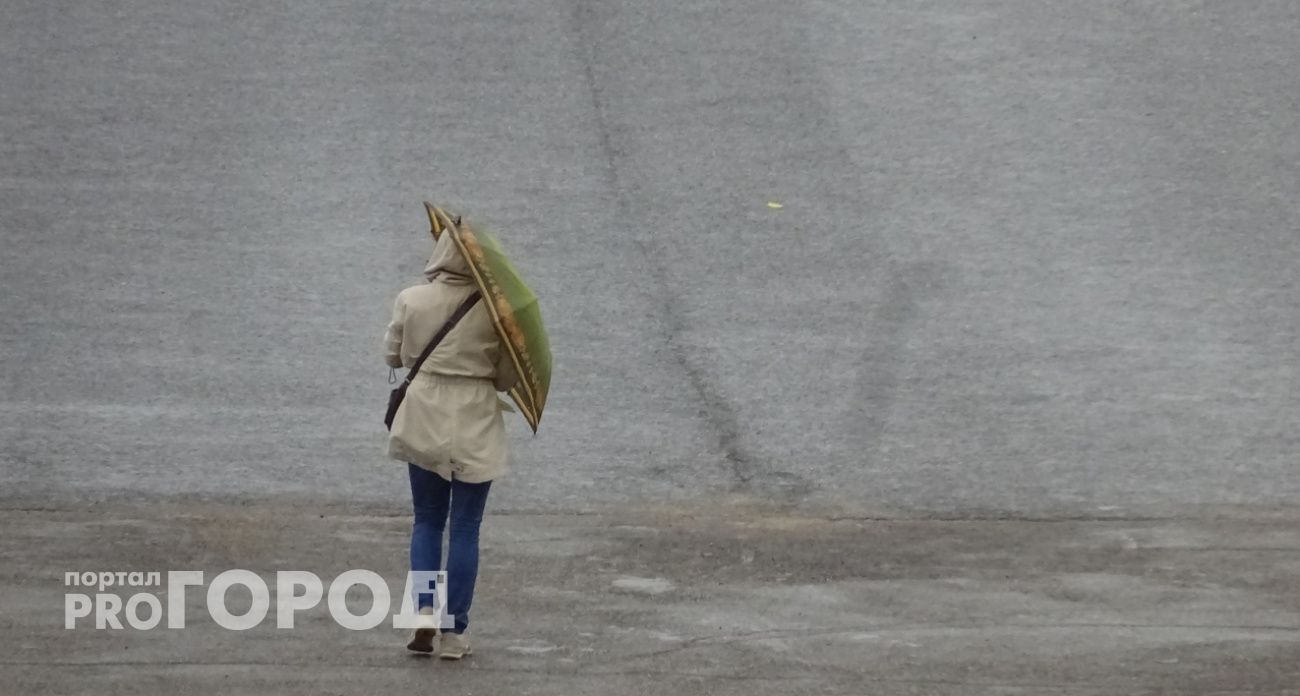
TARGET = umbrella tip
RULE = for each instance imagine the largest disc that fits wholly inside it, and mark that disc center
(436, 219)
(435, 225)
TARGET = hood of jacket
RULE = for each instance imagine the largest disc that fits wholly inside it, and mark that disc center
(447, 265)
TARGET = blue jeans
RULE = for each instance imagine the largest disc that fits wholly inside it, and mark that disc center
(433, 497)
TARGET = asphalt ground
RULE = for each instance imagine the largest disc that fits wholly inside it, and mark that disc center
(1032, 262)
(669, 599)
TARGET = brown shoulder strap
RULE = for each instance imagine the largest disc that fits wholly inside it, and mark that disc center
(459, 314)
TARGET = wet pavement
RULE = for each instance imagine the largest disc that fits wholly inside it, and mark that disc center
(1004, 261)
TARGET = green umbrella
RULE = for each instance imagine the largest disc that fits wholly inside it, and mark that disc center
(512, 306)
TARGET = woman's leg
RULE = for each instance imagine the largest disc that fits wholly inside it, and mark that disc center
(467, 503)
(430, 495)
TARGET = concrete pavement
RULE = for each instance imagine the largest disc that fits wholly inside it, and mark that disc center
(1002, 400)
(739, 598)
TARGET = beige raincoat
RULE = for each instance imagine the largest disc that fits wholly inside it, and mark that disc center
(450, 421)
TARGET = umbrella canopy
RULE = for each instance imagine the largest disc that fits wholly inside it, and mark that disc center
(512, 306)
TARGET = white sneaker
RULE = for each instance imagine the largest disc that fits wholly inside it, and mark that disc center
(454, 646)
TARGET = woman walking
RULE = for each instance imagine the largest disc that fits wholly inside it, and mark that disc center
(449, 429)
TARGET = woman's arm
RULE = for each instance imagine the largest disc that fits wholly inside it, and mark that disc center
(506, 376)
(393, 338)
